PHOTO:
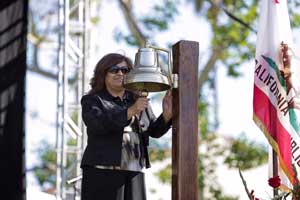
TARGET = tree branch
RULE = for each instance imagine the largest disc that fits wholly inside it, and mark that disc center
(235, 18)
(42, 72)
(132, 23)
(218, 4)
(208, 67)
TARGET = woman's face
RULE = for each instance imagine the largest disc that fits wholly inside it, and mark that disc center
(115, 75)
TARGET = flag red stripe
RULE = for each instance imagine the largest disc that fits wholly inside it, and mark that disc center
(267, 114)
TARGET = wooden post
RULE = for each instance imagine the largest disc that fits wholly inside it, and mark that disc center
(185, 122)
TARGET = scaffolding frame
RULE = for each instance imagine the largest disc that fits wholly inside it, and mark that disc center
(72, 62)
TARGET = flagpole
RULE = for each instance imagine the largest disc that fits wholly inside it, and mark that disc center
(275, 170)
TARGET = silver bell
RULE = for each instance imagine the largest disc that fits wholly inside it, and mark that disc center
(146, 75)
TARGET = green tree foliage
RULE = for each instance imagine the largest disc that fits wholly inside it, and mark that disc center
(155, 21)
(245, 154)
(165, 174)
(159, 154)
(45, 170)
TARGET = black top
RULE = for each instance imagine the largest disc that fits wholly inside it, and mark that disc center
(105, 117)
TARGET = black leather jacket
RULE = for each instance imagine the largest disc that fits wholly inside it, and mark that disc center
(105, 117)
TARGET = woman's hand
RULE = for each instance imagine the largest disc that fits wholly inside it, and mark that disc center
(140, 105)
(167, 106)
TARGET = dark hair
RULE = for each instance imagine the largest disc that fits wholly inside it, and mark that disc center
(98, 80)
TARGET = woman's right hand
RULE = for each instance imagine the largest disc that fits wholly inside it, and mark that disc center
(140, 105)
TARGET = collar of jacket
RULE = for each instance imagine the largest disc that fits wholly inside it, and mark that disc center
(106, 95)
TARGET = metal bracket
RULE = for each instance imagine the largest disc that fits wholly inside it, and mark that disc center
(74, 180)
(175, 80)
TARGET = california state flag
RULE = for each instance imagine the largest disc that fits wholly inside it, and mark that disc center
(276, 87)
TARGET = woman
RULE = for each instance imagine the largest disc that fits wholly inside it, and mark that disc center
(118, 126)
